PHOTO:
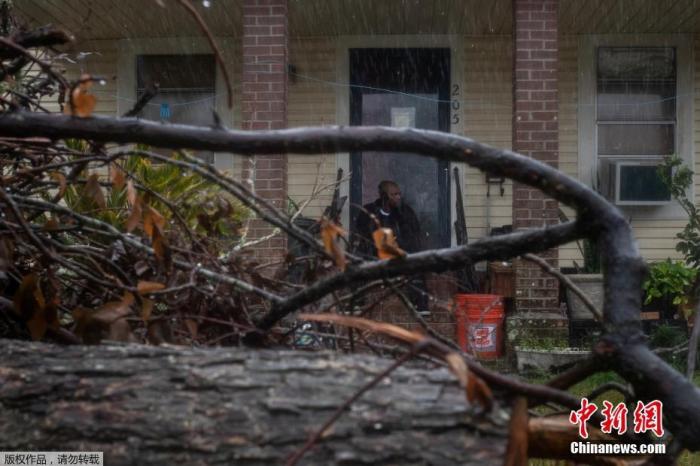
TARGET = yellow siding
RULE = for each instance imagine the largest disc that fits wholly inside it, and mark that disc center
(312, 103)
(487, 117)
(568, 130)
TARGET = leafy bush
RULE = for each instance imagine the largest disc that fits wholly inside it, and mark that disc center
(672, 279)
(679, 178)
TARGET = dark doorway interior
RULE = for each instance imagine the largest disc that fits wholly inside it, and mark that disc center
(403, 87)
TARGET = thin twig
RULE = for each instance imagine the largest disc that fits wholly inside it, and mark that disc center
(215, 47)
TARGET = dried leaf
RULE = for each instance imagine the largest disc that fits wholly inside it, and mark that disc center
(365, 324)
(152, 219)
(106, 322)
(28, 299)
(117, 177)
(193, 327)
(135, 215)
(385, 242)
(30, 305)
(131, 193)
(51, 225)
(37, 325)
(458, 367)
(146, 309)
(479, 392)
(94, 191)
(332, 236)
(161, 249)
(82, 102)
(114, 310)
(59, 178)
(516, 454)
(145, 287)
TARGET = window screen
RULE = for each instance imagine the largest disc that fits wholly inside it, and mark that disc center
(636, 87)
(636, 114)
(186, 93)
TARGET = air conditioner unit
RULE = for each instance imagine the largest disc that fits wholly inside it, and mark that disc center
(632, 182)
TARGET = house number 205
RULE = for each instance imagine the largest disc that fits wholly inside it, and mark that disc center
(455, 104)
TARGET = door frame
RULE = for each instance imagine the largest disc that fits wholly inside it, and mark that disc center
(444, 110)
(453, 42)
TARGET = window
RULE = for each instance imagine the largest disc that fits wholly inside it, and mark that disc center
(186, 92)
(636, 124)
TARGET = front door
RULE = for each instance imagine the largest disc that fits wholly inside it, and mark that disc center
(403, 88)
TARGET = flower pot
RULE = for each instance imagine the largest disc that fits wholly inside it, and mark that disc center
(549, 360)
(592, 286)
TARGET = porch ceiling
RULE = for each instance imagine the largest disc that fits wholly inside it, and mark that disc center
(629, 16)
(109, 19)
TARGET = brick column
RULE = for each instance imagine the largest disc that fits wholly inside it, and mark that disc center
(535, 134)
(264, 105)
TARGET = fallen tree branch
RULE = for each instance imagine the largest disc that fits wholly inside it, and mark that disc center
(233, 406)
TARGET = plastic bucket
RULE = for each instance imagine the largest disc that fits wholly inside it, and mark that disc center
(480, 324)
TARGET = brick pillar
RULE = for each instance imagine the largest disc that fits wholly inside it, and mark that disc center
(535, 134)
(264, 105)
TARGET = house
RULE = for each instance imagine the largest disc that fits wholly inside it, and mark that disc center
(599, 88)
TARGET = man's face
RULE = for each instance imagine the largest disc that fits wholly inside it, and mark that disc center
(394, 196)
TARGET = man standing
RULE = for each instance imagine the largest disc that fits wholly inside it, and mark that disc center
(391, 212)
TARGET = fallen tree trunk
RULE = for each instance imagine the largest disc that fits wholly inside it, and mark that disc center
(155, 405)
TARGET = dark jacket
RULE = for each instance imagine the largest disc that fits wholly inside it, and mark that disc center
(402, 221)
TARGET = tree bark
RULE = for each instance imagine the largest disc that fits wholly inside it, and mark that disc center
(166, 405)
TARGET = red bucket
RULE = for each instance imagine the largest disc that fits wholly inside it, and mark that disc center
(480, 324)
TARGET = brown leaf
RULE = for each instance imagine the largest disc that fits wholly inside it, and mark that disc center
(152, 219)
(59, 178)
(113, 310)
(479, 392)
(37, 325)
(458, 367)
(94, 191)
(82, 103)
(516, 454)
(161, 249)
(192, 326)
(365, 324)
(106, 322)
(116, 176)
(51, 225)
(145, 287)
(385, 242)
(146, 309)
(135, 215)
(28, 300)
(30, 305)
(131, 193)
(332, 236)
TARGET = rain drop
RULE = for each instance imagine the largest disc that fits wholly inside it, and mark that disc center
(206, 3)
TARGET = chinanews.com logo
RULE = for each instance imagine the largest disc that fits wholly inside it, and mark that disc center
(646, 418)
